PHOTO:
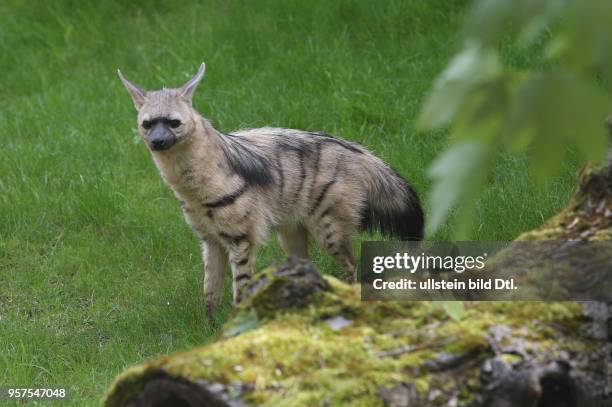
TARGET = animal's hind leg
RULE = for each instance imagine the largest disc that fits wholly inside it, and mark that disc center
(334, 232)
(342, 252)
(294, 240)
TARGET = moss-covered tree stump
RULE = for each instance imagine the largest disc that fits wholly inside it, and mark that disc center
(300, 339)
(335, 349)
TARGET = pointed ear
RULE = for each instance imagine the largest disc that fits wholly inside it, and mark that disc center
(186, 91)
(138, 95)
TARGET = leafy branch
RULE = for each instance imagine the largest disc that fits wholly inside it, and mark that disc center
(491, 106)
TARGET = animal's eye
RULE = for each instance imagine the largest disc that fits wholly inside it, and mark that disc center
(174, 123)
(146, 124)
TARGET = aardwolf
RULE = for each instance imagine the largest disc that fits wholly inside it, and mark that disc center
(234, 188)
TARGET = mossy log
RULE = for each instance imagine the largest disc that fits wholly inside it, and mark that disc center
(301, 339)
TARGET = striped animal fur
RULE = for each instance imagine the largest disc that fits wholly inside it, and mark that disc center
(235, 188)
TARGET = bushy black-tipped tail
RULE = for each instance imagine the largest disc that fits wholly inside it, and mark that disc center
(393, 208)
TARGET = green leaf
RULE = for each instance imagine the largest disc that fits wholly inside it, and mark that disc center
(454, 309)
(559, 108)
(243, 322)
(458, 175)
(482, 115)
(466, 72)
(556, 47)
(489, 20)
(539, 112)
(589, 33)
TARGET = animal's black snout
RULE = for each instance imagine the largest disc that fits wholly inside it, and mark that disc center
(161, 138)
(158, 144)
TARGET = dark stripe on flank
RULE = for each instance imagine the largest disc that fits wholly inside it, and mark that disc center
(302, 173)
(321, 195)
(315, 170)
(325, 188)
(227, 199)
(281, 174)
(317, 160)
(341, 142)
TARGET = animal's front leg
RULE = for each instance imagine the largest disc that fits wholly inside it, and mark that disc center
(242, 262)
(215, 264)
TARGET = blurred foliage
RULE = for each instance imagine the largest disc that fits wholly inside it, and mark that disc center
(244, 321)
(561, 99)
(454, 309)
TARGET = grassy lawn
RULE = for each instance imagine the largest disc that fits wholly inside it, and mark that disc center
(98, 270)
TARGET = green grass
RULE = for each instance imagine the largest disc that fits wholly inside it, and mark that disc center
(98, 270)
